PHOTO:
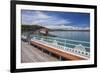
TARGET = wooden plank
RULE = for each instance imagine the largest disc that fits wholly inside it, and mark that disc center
(57, 51)
(31, 54)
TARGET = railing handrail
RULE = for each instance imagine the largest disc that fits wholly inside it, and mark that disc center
(69, 43)
(73, 44)
(68, 39)
(86, 54)
(55, 38)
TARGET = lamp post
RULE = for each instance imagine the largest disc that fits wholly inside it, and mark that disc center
(29, 36)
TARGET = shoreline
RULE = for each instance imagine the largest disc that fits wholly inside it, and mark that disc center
(70, 30)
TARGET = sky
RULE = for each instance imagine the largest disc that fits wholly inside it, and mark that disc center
(55, 18)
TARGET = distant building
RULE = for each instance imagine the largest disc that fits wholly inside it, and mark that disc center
(43, 31)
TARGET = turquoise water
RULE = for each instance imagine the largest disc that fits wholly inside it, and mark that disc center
(73, 35)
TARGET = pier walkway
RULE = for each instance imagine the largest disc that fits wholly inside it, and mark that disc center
(32, 54)
(64, 48)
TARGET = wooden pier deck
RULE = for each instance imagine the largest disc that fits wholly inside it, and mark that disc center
(30, 54)
(61, 53)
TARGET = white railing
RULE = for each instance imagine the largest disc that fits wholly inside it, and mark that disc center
(23, 37)
(64, 41)
(54, 43)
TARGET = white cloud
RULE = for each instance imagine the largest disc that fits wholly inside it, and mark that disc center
(43, 19)
(67, 27)
(41, 15)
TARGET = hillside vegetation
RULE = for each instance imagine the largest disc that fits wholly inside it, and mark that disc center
(25, 28)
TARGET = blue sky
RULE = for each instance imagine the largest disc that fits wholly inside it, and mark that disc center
(46, 18)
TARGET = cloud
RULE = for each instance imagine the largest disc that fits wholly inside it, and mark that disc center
(41, 18)
(41, 15)
(67, 27)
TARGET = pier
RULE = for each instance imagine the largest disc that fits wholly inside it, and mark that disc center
(31, 54)
(55, 46)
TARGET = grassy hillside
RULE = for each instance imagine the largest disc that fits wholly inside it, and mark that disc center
(30, 27)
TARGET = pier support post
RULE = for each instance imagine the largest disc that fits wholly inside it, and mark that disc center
(60, 58)
(49, 53)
